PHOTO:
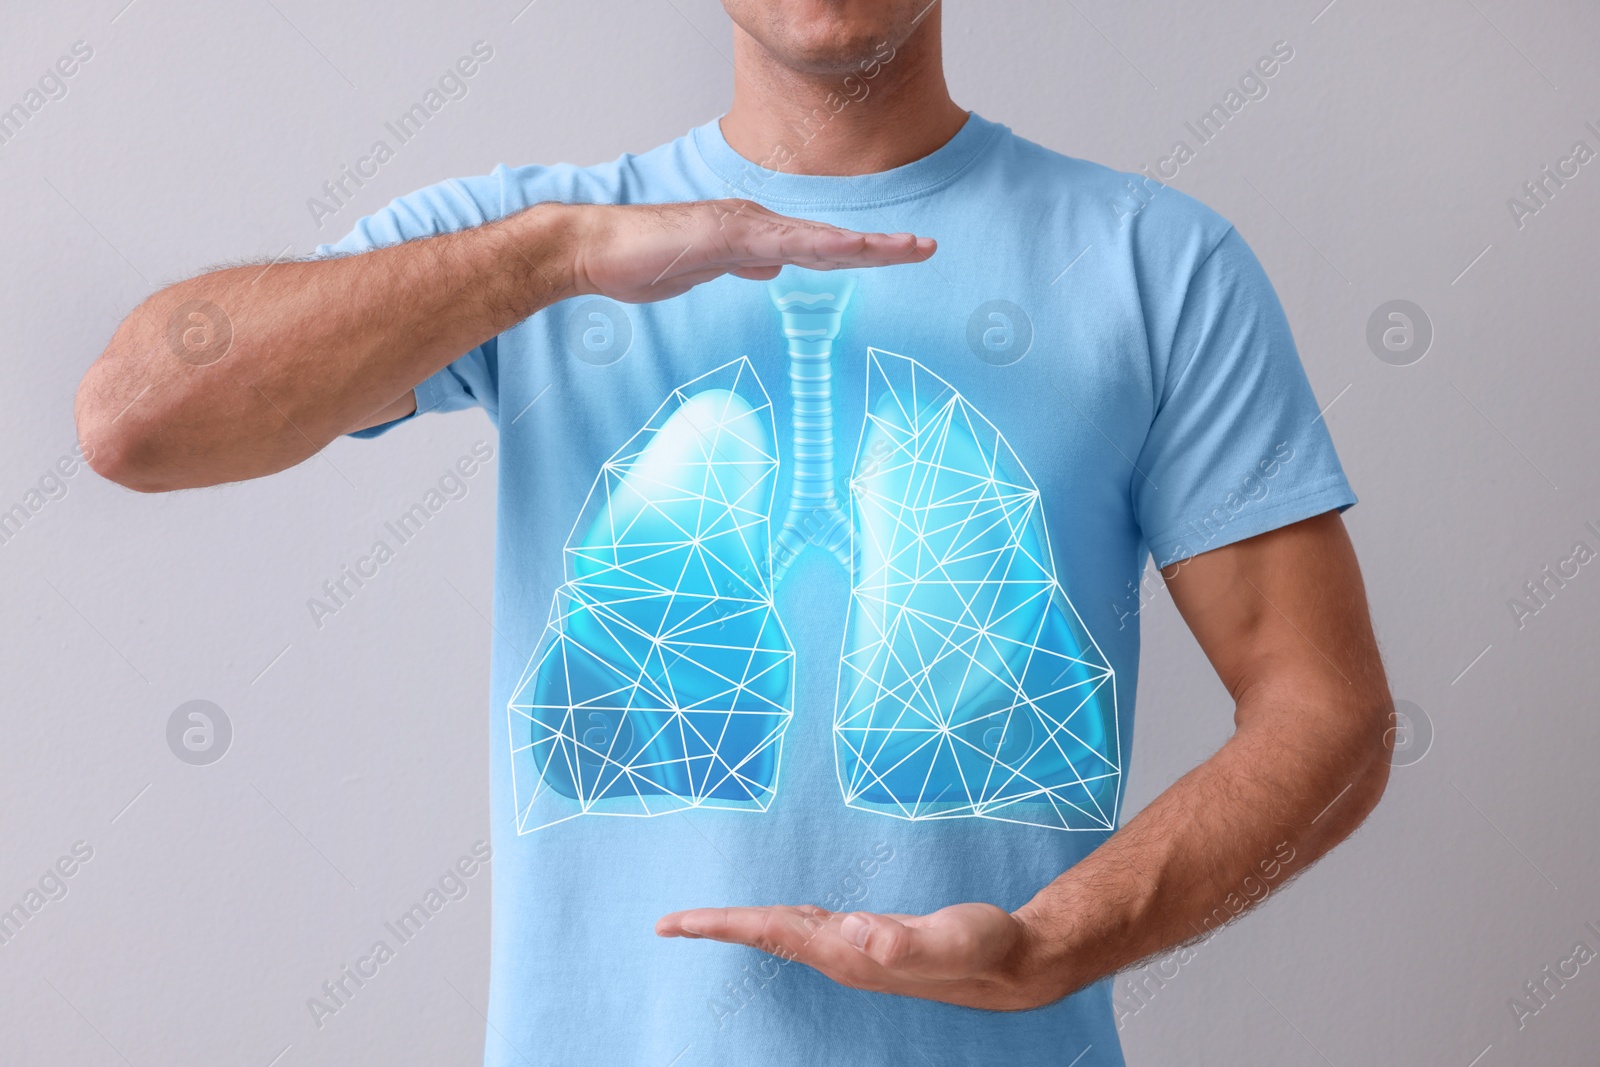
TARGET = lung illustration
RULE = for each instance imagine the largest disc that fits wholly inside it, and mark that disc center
(664, 678)
(969, 686)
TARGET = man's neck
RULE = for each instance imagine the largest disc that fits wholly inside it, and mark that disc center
(891, 109)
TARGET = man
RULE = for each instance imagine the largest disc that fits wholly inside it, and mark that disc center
(931, 633)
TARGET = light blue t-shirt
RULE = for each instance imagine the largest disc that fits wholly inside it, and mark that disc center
(827, 591)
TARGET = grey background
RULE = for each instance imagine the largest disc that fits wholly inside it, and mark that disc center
(220, 897)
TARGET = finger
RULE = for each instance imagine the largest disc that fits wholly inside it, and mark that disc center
(764, 241)
(756, 274)
(733, 209)
(807, 935)
(779, 930)
(879, 250)
(692, 922)
(811, 936)
(832, 249)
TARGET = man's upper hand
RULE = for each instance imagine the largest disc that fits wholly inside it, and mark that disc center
(640, 253)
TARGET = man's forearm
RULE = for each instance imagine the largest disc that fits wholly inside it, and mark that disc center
(1269, 803)
(246, 371)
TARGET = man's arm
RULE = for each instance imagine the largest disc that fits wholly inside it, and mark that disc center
(1283, 619)
(243, 372)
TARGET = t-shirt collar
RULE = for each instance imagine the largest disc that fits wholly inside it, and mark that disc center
(920, 177)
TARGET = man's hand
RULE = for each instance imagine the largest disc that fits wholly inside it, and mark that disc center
(975, 955)
(654, 251)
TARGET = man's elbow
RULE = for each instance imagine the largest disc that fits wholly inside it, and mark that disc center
(117, 461)
(1373, 782)
(117, 444)
(1373, 752)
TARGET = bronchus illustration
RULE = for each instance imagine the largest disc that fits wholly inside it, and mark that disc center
(968, 685)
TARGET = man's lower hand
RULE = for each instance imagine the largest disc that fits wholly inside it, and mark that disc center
(975, 955)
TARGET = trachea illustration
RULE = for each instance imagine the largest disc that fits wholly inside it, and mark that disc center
(812, 309)
(968, 684)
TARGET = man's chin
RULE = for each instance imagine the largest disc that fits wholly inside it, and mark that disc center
(817, 38)
(829, 56)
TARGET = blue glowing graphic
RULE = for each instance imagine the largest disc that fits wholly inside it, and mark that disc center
(664, 679)
(968, 684)
(811, 305)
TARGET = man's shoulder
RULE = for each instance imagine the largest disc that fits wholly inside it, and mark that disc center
(1149, 213)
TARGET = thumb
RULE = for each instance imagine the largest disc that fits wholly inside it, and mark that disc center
(756, 274)
(888, 942)
(901, 947)
(955, 942)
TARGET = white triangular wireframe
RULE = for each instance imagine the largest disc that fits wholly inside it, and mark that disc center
(661, 631)
(927, 630)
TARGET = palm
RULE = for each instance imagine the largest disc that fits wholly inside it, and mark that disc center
(969, 954)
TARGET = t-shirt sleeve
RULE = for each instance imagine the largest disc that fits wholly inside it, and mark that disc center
(1237, 446)
(450, 206)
